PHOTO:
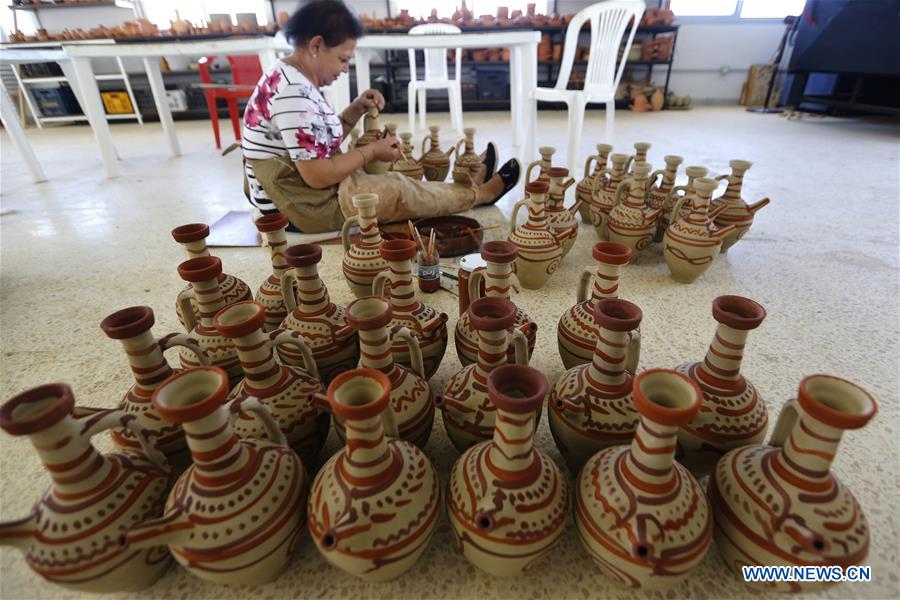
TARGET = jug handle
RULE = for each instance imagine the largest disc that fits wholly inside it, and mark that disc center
(625, 185)
(251, 404)
(788, 416)
(514, 284)
(455, 148)
(587, 163)
(719, 179)
(415, 351)
(187, 309)
(633, 351)
(515, 213)
(185, 341)
(427, 138)
(98, 420)
(676, 211)
(604, 173)
(583, 282)
(531, 165)
(382, 279)
(345, 230)
(520, 346)
(280, 337)
(652, 181)
(288, 281)
(475, 279)
(628, 162)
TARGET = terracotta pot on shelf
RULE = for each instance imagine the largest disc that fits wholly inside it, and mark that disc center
(362, 260)
(797, 512)
(236, 515)
(736, 212)
(272, 227)
(503, 487)
(70, 536)
(539, 252)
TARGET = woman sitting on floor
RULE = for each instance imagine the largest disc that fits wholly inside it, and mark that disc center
(291, 142)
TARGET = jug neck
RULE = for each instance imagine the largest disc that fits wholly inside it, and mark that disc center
(606, 281)
(512, 453)
(648, 465)
(209, 300)
(261, 371)
(196, 249)
(148, 365)
(220, 459)
(537, 215)
(723, 359)
(367, 456)
(375, 345)
(369, 233)
(403, 292)
(497, 280)
(636, 194)
(312, 295)
(607, 366)
(76, 467)
(809, 450)
(492, 347)
(277, 243)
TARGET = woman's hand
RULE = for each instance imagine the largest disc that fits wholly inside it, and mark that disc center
(387, 148)
(367, 100)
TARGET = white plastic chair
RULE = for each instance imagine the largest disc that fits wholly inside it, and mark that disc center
(608, 22)
(436, 77)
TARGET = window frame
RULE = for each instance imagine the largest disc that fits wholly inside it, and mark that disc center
(734, 17)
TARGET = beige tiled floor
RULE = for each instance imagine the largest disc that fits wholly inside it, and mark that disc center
(822, 258)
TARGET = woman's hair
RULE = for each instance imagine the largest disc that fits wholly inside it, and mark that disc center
(329, 18)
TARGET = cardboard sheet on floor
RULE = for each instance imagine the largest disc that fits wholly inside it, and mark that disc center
(236, 230)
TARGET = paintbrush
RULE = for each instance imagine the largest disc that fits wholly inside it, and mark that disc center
(415, 236)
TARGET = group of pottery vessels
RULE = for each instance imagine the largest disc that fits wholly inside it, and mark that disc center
(434, 163)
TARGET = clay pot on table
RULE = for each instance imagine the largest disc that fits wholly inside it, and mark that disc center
(435, 162)
(70, 537)
(631, 221)
(408, 166)
(561, 220)
(131, 326)
(362, 260)
(544, 163)
(193, 238)
(236, 515)
(781, 504)
(496, 280)
(584, 188)
(539, 251)
(641, 516)
(272, 227)
(424, 322)
(322, 323)
(658, 191)
(603, 193)
(503, 487)
(469, 414)
(733, 414)
(736, 212)
(374, 504)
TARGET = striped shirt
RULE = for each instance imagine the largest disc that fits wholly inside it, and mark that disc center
(286, 116)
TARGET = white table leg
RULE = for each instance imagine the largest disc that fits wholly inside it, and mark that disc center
(515, 93)
(11, 121)
(154, 77)
(363, 81)
(80, 75)
(529, 82)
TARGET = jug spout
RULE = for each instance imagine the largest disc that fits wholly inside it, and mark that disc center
(435, 323)
(721, 233)
(167, 529)
(758, 205)
(18, 533)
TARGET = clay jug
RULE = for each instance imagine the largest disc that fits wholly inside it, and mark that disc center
(406, 164)
(640, 153)
(661, 183)
(466, 165)
(539, 252)
(544, 164)
(495, 526)
(372, 132)
(70, 536)
(131, 326)
(590, 406)
(576, 332)
(321, 322)
(679, 192)
(412, 404)
(203, 273)
(362, 260)
(561, 220)
(692, 242)
(236, 515)
(468, 411)
(736, 212)
(797, 512)
(733, 413)
(436, 162)
(631, 221)
(269, 294)
(496, 279)
(288, 392)
(375, 503)
(641, 516)
(603, 195)
(193, 238)
(585, 187)
(424, 322)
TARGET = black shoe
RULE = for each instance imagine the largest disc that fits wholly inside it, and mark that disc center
(490, 160)
(510, 173)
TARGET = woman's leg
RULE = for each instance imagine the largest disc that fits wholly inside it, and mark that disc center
(401, 198)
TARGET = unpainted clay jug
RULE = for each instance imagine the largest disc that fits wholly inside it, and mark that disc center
(631, 221)
(468, 411)
(290, 393)
(372, 132)
(539, 252)
(435, 162)
(412, 403)
(71, 536)
(603, 194)
(507, 502)
(131, 326)
(585, 188)
(193, 238)
(321, 322)
(467, 163)
(661, 183)
(543, 165)
(641, 516)
(733, 413)
(236, 515)
(498, 280)
(576, 332)
(406, 164)
(561, 220)
(428, 325)
(692, 242)
(375, 503)
(678, 193)
(591, 406)
(203, 273)
(362, 260)
(781, 503)
(269, 294)
(737, 211)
